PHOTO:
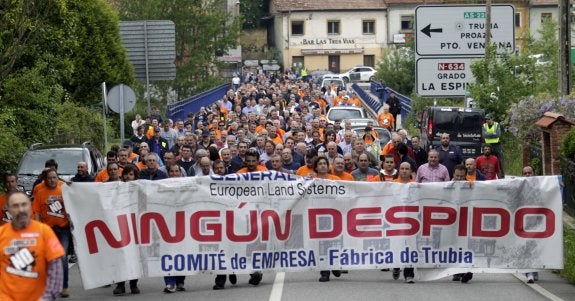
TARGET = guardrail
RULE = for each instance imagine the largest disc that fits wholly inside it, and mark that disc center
(180, 109)
(371, 102)
(382, 92)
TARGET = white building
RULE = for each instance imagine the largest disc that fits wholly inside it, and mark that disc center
(336, 35)
(330, 34)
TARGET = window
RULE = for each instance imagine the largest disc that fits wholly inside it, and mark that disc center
(545, 17)
(332, 27)
(368, 27)
(369, 60)
(297, 28)
(406, 23)
(298, 62)
(518, 20)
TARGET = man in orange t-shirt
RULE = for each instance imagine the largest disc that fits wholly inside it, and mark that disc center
(48, 207)
(339, 169)
(252, 162)
(307, 170)
(102, 175)
(10, 186)
(388, 173)
(31, 257)
(404, 175)
(354, 101)
(385, 119)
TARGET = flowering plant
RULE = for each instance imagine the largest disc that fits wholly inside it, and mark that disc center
(524, 114)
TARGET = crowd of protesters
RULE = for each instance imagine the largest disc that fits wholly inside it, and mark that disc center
(271, 121)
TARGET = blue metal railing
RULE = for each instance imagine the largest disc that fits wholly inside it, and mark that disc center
(382, 92)
(372, 102)
(180, 109)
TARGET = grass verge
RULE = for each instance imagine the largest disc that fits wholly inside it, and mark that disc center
(568, 271)
(513, 155)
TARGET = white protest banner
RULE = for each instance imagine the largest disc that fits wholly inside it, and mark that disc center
(273, 221)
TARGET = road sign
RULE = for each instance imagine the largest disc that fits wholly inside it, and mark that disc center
(443, 77)
(460, 29)
(151, 47)
(121, 98)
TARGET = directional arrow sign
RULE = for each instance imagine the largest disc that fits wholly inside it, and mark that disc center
(460, 30)
(427, 30)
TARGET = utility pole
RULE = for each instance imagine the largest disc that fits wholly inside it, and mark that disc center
(565, 68)
(487, 23)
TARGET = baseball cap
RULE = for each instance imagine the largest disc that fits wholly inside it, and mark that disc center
(205, 134)
(127, 143)
(488, 116)
(367, 129)
(157, 129)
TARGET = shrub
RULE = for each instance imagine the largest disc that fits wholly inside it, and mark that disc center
(569, 254)
(568, 147)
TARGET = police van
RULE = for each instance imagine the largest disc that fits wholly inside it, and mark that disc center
(464, 126)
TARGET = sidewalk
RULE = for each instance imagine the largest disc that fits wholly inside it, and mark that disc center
(550, 284)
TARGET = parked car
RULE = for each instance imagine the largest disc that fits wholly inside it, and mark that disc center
(316, 76)
(464, 126)
(360, 73)
(345, 112)
(383, 135)
(333, 79)
(66, 155)
(362, 122)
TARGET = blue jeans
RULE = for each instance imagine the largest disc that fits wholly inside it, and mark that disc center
(65, 237)
(173, 280)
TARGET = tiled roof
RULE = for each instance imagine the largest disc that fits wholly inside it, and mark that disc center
(543, 2)
(315, 5)
(547, 2)
(550, 118)
(326, 5)
(414, 2)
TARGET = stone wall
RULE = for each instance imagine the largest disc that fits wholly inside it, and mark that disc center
(254, 44)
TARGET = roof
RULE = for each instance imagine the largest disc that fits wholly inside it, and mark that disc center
(327, 5)
(417, 2)
(550, 118)
(546, 2)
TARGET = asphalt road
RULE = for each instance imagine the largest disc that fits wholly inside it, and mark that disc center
(365, 285)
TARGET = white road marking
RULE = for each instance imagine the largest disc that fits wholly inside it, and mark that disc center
(538, 288)
(278, 287)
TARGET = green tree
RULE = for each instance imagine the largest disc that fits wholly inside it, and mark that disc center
(545, 70)
(53, 51)
(99, 55)
(80, 42)
(29, 95)
(496, 85)
(396, 69)
(252, 12)
(204, 30)
(502, 79)
(11, 146)
(20, 22)
(76, 124)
